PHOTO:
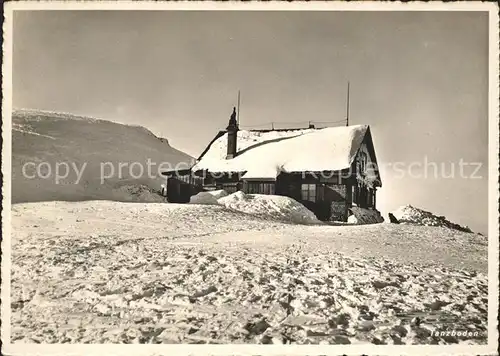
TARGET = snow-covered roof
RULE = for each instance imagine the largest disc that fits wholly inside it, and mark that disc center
(266, 154)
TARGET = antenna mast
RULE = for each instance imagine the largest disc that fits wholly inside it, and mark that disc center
(347, 115)
(238, 112)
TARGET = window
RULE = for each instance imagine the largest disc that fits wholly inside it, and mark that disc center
(362, 162)
(308, 192)
(260, 188)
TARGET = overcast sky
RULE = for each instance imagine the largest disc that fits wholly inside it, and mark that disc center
(419, 79)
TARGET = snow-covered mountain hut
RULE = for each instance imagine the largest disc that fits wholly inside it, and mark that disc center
(328, 169)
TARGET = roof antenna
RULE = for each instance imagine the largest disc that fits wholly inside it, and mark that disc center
(238, 112)
(347, 116)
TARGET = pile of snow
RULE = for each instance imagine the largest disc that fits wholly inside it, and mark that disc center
(364, 216)
(265, 206)
(208, 198)
(267, 158)
(272, 206)
(248, 138)
(411, 215)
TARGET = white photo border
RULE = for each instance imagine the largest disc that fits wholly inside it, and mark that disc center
(246, 349)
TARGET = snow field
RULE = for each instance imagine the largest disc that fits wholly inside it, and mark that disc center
(166, 273)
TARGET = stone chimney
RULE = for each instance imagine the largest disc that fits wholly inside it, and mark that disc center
(232, 131)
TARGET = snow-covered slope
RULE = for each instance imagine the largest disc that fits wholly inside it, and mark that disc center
(108, 272)
(44, 139)
(209, 197)
(411, 215)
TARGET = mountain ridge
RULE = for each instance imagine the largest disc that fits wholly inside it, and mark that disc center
(115, 160)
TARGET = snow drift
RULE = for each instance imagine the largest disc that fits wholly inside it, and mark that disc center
(209, 198)
(411, 215)
(274, 206)
(264, 206)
